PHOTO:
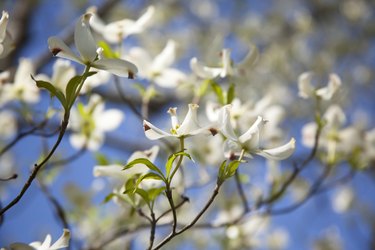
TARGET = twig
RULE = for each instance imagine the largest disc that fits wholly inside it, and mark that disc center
(12, 177)
(241, 193)
(37, 167)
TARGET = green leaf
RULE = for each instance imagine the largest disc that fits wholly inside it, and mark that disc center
(221, 175)
(107, 50)
(202, 90)
(231, 93)
(141, 89)
(52, 90)
(171, 159)
(232, 167)
(218, 91)
(108, 197)
(141, 192)
(145, 162)
(73, 84)
(101, 159)
(153, 193)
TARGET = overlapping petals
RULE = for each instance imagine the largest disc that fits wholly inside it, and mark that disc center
(306, 89)
(62, 242)
(90, 54)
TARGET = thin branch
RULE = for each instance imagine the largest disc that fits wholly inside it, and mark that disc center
(241, 192)
(68, 159)
(12, 177)
(184, 199)
(194, 221)
(127, 100)
(39, 166)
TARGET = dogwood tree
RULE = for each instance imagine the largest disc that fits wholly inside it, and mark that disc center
(169, 124)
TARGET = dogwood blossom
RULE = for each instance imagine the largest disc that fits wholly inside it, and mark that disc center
(306, 90)
(8, 124)
(250, 140)
(89, 123)
(116, 31)
(23, 87)
(226, 67)
(158, 69)
(5, 39)
(62, 242)
(90, 53)
(188, 127)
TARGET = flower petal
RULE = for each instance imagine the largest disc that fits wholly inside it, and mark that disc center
(21, 246)
(145, 20)
(304, 85)
(108, 120)
(114, 171)
(225, 123)
(203, 71)
(190, 122)
(60, 49)
(152, 132)
(117, 66)
(334, 83)
(62, 242)
(252, 134)
(170, 78)
(84, 40)
(3, 25)
(279, 153)
(165, 58)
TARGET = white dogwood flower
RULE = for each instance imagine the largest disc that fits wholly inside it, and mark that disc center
(23, 87)
(158, 69)
(188, 127)
(62, 242)
(306, 89)
(90, 53)
(116, 31)
(249, 141)
(6, 45)
(225, 68)
(90, 122)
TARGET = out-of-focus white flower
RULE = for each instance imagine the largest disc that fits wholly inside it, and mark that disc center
(278, 239)
(8, 124)
(23, 88)
(89, 123)
(226, 67)
(63, 71)
(6, 45)
(188, 127)
(158, 69)
(249, 141)
(306, 89)
(90, 53)
(116, 31)
(62, 242)
(342, 200)
(116, 171)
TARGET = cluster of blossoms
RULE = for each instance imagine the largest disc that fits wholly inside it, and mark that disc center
(235, 130)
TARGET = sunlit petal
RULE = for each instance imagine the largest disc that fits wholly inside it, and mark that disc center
(109, 120)
(190, 122)
(203, 71)
(60, 49)
(84, 40)
(152, 132)
(279, 153)
(117, 66)
(305, 88)
(165, 58)
(63, 241)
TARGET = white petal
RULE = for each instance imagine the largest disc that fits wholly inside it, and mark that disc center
(174, 119)
(334, 83)
(3, 25)
(227, 63)
(20, 246)
(203, 71)
(252, 134)
(117, 66)
(304, 85)
(84, 40)
(77, 140)
(142, 59)
(96, 23)
(62, 73)
(145, 20)
(226, 125)
(60, 49)
(170, 78)
(46, 243)
(279, 153)
(152, 132)
(232, 148)
(114, 171)
(250, 59)
(115, 32)
(190, 122)
(149, 154)
(24, 70)
(95, 141)
(165, 58)
(109, 120)
(63, 241)
(308, 134)
(335, 116)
